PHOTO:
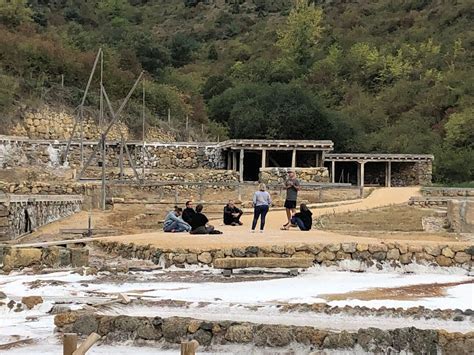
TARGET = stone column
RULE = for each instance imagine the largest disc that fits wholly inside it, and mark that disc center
(234, 160)
(293, 158)
(241, 165)
(333, 171)
(264, 158)
(388, 174)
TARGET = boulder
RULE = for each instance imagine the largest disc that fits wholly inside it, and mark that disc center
(147, 331)
(203, 337)
(175, 329)
(393, 254)
(31, 301)
(79, 257)
(444, 261)
(62, 319)
(462, 257)
(349, 247)
(447, 252)
(242, 333)
(21, 257)
(342, 340)
(85, 324)
(273, 335)
(205, 258)
(126, 323)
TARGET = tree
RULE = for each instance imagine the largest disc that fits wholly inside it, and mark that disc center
(212, 53)
(460, 129)
(182, 47)
(302, 32)
(14, 12)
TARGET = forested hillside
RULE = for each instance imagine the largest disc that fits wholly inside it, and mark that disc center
(374, 76)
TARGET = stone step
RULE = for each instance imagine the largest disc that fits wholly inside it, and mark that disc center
(240, 263)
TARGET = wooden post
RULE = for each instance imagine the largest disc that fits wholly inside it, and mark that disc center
(87, 344)
(69, 343)
(317, 160)
(333, 171)
(362, 168)
(169, 116)
(234, 160)
(388, 174)
(241, 165)
(293, 158)
(264, 158)
(103, 196)
(189, 347)
(229, 160)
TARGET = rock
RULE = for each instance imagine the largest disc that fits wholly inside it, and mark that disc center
(79, 257)
(273, 335)
(31, 301)
(362, 247)
(325, 256)
(434, 250)
(379, 255)
(349, 247)
(393, 254)
(373, 340)
(310, 336)
(126, 323)
(205, 258)
(239, 333)
(462, 257)
(191, 258)
(85, 324)
(373, 248)
(406, 258)
(60, 320)
(21, 257)
(174, 329)
(203, 337)
(105, 325)
(238, 252)
(2, 295)
(179, 259)
(470, 250)
(447, 252)
(147, 331)
(444, 261)
(194, 326)
(342, 340)
(333, 247)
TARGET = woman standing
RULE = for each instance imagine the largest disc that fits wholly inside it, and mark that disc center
(261, 204)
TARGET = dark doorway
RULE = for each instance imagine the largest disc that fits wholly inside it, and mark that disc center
(252, 164)
(279, 159)
(374, 174)
(346, 172)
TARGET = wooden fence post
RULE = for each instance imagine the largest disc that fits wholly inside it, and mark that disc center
(189, 347)
(69, 343)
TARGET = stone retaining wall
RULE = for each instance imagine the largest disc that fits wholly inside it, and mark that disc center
(363, 255)
(279, 175)
(447, 192)
(23, 214)
(412, 174)
(174, 330)
(21, 152)
(53, 256)
(461, 215)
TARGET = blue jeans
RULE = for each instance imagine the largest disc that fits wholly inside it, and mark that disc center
(259, 211)
(299, 223)
(177, 227)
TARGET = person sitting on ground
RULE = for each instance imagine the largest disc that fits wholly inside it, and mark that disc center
(199, 223)
(188, 212)
(174, 223)
(303, 219)
(232, 214)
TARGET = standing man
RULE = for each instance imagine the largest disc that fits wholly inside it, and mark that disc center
(292, 186)
(232, 214)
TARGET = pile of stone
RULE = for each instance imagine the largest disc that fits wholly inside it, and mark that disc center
(174, 330)
(393, 254)
(13, 258)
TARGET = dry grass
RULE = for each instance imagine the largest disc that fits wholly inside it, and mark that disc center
(392, 218)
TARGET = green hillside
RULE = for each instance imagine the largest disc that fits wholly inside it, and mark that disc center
(374, 76)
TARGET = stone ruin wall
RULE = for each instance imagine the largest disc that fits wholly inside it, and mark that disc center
(363, 255)
(174, 330)
(15, 152)
(21, 214)
(447, 192)
(57, 123)
(13, 258)
(406, 174)
(461, 215)
(277, 176)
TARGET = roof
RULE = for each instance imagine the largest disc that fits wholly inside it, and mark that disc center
(277, 144)
(378, 157)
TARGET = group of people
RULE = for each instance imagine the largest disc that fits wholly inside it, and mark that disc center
(195, 222)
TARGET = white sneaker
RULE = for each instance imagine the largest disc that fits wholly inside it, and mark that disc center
(252, 231)
(260, 231)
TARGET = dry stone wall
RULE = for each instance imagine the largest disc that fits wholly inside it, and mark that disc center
(448, 192)
(274, 176)
(461, 215)
(174, 330)
(354, 256)
(410, 174)
(23, 214)
(12, 258)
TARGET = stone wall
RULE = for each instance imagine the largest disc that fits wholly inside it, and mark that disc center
(23, 214)
(57, 123)
(447, 191)
(274, 176)
(357, 256)
(410, 174)
(19, 152)
(12, 258)
(461, 215)
(174, 330)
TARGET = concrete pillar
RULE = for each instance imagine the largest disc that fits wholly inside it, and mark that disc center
(264, 158)
(293, 158)
(333, 171)
(241, 165)
(388, 174)
(234, 160)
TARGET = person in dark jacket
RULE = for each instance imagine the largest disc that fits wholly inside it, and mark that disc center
(232, 214)
(199, 223)
(303, 219)
(188, 212)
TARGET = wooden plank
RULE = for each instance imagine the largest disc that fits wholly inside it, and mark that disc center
(189, 347)
(239, 263)
(87, 344)
(69, 343)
